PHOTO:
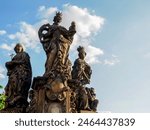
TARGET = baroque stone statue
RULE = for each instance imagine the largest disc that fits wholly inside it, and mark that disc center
(52, 88)
(62, 88)
(19, 81)
(56, 41)
(81, 74)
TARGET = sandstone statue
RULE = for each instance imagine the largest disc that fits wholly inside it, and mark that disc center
(19, 81)
(62, 88)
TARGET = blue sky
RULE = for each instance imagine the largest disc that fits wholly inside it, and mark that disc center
(116, 38)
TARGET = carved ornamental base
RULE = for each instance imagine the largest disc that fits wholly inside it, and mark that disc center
(46, 98)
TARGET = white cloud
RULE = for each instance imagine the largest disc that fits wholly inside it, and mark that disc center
(46, 13)
(7, 47)
(93, 54)
(112, 61)
(147, 55)
(2, 32)
(88, 25)
(2, 70)
(27, 36)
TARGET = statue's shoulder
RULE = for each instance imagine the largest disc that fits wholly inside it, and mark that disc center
(25, 54)
(62, 28)
(77, 61)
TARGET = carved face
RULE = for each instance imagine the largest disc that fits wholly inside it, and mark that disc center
(82, 55)
(18, 48)
(57, 19)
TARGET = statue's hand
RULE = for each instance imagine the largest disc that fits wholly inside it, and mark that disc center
(72, 29)
(8, 64)
(73, 23)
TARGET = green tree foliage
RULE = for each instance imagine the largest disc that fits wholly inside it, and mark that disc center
(1, 86)
(2, 99)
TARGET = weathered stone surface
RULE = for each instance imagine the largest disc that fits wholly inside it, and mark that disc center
(62, 88)
(19, 81)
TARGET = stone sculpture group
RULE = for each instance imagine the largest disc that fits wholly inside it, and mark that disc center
(62, 88)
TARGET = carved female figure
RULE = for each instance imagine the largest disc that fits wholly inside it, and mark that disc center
(19, 80)
(56, 41)
(81, 75)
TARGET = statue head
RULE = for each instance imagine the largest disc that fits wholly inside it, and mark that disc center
(81, 52)
(57, 18)
(18, 48)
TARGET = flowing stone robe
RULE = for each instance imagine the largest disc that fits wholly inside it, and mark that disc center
(19, 80)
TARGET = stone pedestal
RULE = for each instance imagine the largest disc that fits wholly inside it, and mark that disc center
(49, 99)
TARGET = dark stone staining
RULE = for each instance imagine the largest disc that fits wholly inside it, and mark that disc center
(62, 88)
(19, 81)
